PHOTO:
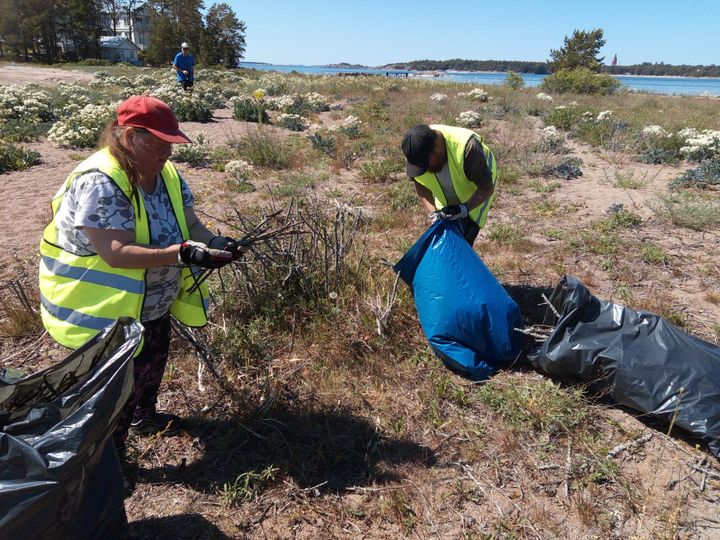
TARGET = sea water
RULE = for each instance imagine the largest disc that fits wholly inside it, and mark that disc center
(693, 86)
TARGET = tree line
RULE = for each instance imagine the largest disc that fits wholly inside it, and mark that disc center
(458, 64)
(53, 31)
(543, 68)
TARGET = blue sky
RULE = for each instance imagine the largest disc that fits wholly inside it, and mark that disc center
(376, 32)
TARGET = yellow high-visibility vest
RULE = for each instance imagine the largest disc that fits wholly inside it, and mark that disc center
(82, 294)
(456, 138)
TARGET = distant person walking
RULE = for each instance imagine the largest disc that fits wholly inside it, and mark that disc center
(183, 65)
(454, 173)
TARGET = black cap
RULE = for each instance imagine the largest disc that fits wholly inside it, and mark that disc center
(417, 145)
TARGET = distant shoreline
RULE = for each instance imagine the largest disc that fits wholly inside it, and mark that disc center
(343, 65)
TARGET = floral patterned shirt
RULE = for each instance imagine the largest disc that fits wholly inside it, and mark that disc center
(94, 200)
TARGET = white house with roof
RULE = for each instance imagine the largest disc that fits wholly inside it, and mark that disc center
(135, 27)
(119, 49)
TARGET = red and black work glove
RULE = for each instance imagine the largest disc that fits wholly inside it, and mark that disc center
(197, 254)
(226, 243)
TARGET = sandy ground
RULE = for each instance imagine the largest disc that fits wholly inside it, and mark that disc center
(15, 74)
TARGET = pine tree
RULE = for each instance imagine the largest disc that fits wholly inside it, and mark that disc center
(223, 41)
(579, 51)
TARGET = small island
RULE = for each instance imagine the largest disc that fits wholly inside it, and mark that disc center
(345, 65)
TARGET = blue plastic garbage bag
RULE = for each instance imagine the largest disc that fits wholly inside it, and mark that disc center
(467, 316)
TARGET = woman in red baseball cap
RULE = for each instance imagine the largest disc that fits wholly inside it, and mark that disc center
(124, 241)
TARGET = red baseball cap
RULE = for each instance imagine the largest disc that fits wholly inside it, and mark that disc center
(153, 115)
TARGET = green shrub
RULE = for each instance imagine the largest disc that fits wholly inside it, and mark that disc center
(293, 122)
(607, 133)
(580, 81)
(403, 196)
(14, 130)
(653, 254)
(250, 110)
(380, 171)
(193, 109)
(15, 158)
(660, 149)
(325, 143)
(562, 117)
(687, 209)
(294, 185)
(94, 62)
(506, 234)
(567, 169)
(705, 176)
(621, 219)
(195, 154)
(514, 80)
(267, 150)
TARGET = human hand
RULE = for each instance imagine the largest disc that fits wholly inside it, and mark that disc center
(453, 212)
(185, 71)
(198, 254)
(227, 243)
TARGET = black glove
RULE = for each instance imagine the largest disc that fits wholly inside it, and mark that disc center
(226, 243)
(453, 212)
(197, 254)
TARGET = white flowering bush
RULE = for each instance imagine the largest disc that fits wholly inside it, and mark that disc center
(551, 135)
(469, 119)
(654, 131)
(239, 170)
(25, 103)
(83, 129)
(350, 126)
(293, 122)
(298, 103)
(542, 96)
(273, 83)
(188, 107)
(278, 103)
(603, 115)
(478, 94)
(317, 102)
(438, 97)
(699, 145)
(71, 100)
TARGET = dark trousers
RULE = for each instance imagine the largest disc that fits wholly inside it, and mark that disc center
(149, 369)
(469, 229)
(186, 85)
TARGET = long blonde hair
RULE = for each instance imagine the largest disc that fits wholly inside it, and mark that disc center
(111, 137)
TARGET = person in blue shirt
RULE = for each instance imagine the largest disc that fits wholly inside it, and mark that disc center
(183, 65)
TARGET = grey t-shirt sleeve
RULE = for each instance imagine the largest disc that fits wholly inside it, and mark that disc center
(475, 166)
(100, 204)
(93, 200)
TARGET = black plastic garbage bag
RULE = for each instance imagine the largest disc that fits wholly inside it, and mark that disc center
(638, 358)
(60, 477)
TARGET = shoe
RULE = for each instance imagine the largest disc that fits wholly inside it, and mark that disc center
(165, 423)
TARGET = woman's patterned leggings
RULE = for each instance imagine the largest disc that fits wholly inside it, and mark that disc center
(149, 369)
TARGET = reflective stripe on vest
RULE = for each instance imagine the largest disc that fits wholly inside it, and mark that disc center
(456, 140)
(81, 295)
